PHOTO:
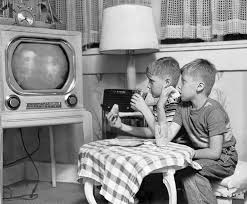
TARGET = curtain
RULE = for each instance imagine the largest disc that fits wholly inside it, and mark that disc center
(202, 18)
(88, 21)
(86, 16)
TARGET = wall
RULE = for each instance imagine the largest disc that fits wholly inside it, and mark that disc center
(226, 55)
(229, 57)
(103, 71)
(68, 138)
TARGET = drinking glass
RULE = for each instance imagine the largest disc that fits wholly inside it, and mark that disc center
(161, 138)
(141, 93)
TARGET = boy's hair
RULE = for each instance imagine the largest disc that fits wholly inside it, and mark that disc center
(163, 67)
(202, 69)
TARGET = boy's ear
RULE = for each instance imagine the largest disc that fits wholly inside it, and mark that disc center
(200, 87)
(168, 81)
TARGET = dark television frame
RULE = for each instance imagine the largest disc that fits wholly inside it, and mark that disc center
(69, 52)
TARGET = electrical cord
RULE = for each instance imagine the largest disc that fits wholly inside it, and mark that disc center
(33, 195)
(23, 158)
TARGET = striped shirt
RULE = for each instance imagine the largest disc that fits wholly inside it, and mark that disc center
(170, 109)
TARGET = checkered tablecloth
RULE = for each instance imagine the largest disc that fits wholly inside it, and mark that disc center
(120, 170)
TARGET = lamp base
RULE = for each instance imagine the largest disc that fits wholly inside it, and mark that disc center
(131, 73)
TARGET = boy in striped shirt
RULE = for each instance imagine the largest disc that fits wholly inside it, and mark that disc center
(163, 72)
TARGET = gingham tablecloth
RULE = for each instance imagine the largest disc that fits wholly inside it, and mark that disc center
(120, 170)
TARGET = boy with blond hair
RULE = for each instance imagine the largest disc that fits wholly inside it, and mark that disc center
(163, 72)
(208, 128)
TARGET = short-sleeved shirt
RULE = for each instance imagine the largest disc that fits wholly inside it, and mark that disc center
(170, 110)
(208, 121)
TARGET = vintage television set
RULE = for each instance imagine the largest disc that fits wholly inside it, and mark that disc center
(40, 77)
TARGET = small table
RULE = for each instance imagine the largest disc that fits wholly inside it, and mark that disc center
(120, 170)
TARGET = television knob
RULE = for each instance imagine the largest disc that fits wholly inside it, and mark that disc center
(72, 100)
(13, 102)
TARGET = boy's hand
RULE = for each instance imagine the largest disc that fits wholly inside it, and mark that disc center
(165, 92)
(114, 120)
(137, 103)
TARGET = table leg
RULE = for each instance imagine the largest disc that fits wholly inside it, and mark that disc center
(88, 189)
(245, 198)
(169, 181)
(52, 154)
(87, 127)
(1, 164)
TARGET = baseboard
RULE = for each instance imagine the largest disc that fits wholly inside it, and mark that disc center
(13, 174)
(64, 172)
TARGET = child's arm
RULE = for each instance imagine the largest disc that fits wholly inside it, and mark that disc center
(168, 130)
(216, 127)
(137, 131)
(213, 151)
(115, 121)
(138, 103)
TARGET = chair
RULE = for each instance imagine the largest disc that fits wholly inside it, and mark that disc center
(232, 187)
(235, 186)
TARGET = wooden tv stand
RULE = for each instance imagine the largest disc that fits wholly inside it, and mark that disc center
(46, 118)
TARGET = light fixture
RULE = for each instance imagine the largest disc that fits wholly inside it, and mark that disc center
(128, 29)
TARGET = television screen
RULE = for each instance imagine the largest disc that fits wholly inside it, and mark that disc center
(39, 66)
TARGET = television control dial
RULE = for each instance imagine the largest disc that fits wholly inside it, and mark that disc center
(71, 100)
(13, 102)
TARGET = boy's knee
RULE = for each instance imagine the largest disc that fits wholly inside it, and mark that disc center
(195, 181)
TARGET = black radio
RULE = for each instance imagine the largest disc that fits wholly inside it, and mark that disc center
(121, 97)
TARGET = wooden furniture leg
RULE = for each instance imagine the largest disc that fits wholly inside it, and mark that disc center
(224, 201)
(88, 189)
(1, 165)
(87, 127)
(52, 155)
(245, 197)
(169, 181)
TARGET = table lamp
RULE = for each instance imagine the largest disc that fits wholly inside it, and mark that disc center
(128, 29)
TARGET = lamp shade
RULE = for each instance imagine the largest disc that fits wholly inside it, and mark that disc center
(128, 28)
